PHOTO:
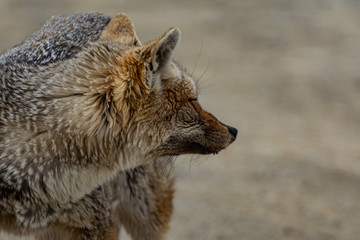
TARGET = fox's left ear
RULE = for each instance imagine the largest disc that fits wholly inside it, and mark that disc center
(158, 53)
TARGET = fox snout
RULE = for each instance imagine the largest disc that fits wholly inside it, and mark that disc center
(216, 136)
(208, 135)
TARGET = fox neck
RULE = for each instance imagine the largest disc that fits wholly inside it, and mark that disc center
(72, 181)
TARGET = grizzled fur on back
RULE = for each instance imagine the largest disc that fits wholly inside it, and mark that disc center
(58, 39)
(87, 114)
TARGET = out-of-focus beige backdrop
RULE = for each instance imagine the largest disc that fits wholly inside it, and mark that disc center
(286, 73)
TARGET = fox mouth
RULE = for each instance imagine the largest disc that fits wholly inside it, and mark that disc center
(194, 148)
(196, 145)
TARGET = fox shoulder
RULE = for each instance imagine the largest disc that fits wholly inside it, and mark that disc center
(58, 39)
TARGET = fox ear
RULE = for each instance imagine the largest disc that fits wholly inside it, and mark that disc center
(164, 49)
(158, 53)
(120, 29)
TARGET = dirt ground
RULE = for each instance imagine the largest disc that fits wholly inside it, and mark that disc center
(284, 72)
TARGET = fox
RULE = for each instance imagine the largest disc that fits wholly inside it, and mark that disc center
(90, 118)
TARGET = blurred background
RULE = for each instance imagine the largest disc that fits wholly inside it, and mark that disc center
(284, 72)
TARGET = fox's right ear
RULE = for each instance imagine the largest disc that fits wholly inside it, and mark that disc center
(120, 29)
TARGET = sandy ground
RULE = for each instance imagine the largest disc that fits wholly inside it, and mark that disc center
(286, 74)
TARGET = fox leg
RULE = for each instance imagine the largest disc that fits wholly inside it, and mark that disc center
(70, 233)
(59, 232)
(143, 198)
(90, 218)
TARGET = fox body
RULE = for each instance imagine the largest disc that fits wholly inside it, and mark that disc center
(89, 117)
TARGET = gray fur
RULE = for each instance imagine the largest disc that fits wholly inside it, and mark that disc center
(58, 39)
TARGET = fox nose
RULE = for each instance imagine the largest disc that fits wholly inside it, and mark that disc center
(233, 131)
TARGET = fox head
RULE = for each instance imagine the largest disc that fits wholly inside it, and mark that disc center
(141, 94)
